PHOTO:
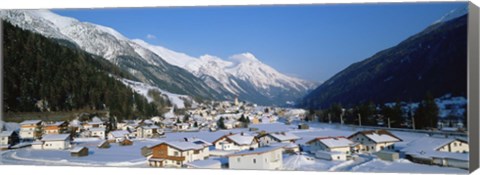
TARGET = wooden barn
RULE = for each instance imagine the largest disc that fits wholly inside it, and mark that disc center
(79, 152)
(104, 144)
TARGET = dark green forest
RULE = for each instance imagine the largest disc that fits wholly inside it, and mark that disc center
(43, 74)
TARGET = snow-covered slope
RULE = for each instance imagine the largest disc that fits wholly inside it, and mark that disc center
(455, 13)
(234, 73)
(142, 89)
(113, 46)
(208, 76)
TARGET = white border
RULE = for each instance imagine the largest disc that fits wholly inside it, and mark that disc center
(42, 4)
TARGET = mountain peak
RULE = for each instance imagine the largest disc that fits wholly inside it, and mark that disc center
(244, 57)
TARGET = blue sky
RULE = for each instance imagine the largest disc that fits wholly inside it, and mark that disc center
(312, 42)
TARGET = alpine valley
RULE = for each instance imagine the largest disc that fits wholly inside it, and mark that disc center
(208, 77)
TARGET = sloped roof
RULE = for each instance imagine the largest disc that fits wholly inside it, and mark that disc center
(55, 137)
(378, 136)
(284, 136)
(333, 142)
(209, 163)
(119, 133)
(29, 122)
(260, 150)
(6, 133)
(426, 147)
(77, 149)
(182, 145)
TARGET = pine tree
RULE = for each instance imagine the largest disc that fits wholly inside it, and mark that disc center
(221, 123)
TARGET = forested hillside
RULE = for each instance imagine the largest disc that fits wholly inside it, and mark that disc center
(42, 74)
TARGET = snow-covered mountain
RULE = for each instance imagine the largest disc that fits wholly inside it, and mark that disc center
(241, 75)
(238, 74)
(455, 13)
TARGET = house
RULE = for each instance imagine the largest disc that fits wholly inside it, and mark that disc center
(94, 124)
(148, 131)
(181, 126)
(117, 136)
(235, 142)
(455, 146)
(268, 158)
(374, 140)
(97, 132)
(331, 148)
(8, 139)
(56, 128)
(276, 137)
(53, 142)
(30, 129)
(79, 152)
(177, 153)
(433, 151)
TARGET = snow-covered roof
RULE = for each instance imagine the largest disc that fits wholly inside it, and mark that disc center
(119, 133)
(379, 136)
(284, 136)
(426, 147)
(183, 145)
(333, 142)
(150, 127)
(97, 129)
(29, 122)
(77, 149)
(260, 150)
(6, 133)
(199, 141)
(241, 139)
(209, 163)
(56, 123)
(94, 123)
(55, 137)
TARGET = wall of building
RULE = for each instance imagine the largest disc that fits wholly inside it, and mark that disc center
(269, 161)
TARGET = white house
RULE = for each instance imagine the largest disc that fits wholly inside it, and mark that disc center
(98, 132)
(331, 148)
(236, 142)
(53, 142)
(454, 146)
(205, 164)
(30, 129)
(374, 140)
(148, 131)
(434, 151)
(178, 153)
(268, 158)
(277, 137)
(117, 136)
(8, 138)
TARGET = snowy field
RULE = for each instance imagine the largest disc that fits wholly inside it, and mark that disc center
(130, 156)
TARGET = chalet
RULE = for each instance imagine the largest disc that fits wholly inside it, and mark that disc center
(268, 158)
(277, 137)
(56, 128)
(434, 151)
(148, 131)
(8, 139)
(331, 148)
(53, 142)
(454, 146)
(79, 152)
(30, 129)
(236, 142)
(374, 140)
(117, 136)
(177, 153)
(97, 132)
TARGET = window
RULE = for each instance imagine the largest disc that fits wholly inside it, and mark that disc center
(238, 159)
(175, 153)
(381, 147)
(454, 144)
(338, 157)
(254, 161)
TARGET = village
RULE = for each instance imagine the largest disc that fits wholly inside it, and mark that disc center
(232, 135)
